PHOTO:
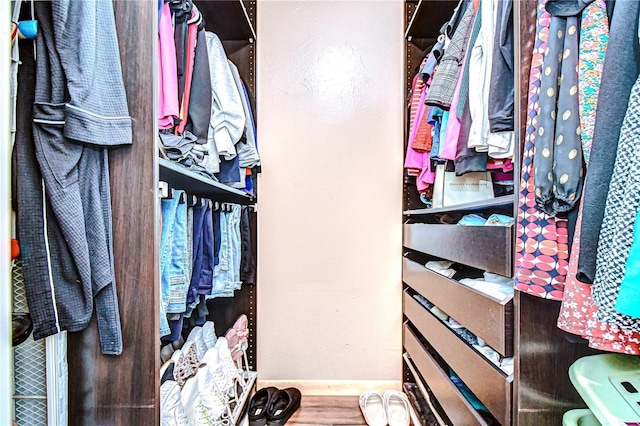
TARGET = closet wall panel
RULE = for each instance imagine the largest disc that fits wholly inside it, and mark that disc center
(330, 100)
(123, 390)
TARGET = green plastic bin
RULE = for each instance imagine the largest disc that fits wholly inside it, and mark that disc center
(610, 386)
(582, 417)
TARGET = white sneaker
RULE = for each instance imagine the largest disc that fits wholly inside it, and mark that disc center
(396, 406)
(201, 406)
(231, 371)
(372, 406)
(218, 372)
(196, 336)
(171, 409)
(209, 334)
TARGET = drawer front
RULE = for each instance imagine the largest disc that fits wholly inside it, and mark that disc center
(484, 380)
(458, 409)
(486, 318)
(484, 247)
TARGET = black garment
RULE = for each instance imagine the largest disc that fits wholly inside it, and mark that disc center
(200, 100)
(247, 260)
(557, 161)
(217, 236)
(468, 159)
(621, 68)
(501, 92)
(28, 195)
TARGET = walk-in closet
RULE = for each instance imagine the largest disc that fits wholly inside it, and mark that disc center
(376, 212)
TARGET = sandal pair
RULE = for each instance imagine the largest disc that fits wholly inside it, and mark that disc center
(271, 406)
(392, 408)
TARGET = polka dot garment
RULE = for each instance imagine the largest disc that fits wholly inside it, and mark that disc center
(542, 251)
(557, 161)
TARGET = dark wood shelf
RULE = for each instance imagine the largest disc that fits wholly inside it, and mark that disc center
(484, 379)
(422, 365)
(428, 19)
(502, 201)
(179, 177)
(228, 19)
(489, 248)
(486, 317)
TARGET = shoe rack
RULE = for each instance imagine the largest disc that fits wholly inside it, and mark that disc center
(124, 390)
(524, 327)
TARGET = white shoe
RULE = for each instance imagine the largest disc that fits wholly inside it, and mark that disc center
(203, 407)
(373, 408)
(196, 336)
(209, 334)
(171, 409)
(396, 406)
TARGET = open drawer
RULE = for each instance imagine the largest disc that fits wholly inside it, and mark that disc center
(454, 404)
(483, 316)
(485, 247)
(485, 380)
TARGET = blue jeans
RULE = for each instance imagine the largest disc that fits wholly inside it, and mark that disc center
(226, 274)
(174, 264)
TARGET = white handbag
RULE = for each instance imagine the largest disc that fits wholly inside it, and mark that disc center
(451, 190)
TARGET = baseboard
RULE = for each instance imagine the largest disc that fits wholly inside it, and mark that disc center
(333, 387)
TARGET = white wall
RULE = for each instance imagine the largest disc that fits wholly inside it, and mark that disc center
(330, 110)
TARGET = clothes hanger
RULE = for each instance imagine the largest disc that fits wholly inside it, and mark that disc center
(163, 188)
(192, 200)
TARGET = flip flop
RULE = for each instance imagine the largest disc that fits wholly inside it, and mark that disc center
(284, 403)
(258, 405)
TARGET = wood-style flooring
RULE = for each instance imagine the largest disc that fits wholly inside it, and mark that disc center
(328, 410)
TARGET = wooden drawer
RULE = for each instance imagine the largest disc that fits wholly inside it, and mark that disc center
(485, 317)
(485, 247)
(458, 409)
(485, 380)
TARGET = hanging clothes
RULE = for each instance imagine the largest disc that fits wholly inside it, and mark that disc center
(168, 106)
(501, 86)
(468, 159)
(199, 108)
(616, 235)
(227, 121)
(192, 34)
(629, 294)
(542, 246)
(246, 145)
(443, 86)
(621, 67)
(578, 310)
(557, 162)
(80, 109)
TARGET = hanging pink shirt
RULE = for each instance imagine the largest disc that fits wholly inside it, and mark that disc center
(192, 34)
(168, 108)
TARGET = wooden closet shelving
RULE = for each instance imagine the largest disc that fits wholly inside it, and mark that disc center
(484, 316)
(484, 247)
(502, 201)
(179, 177)
(428, 17)
(125, 389)
(229, 19)
(432, 348)
(539, 391)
